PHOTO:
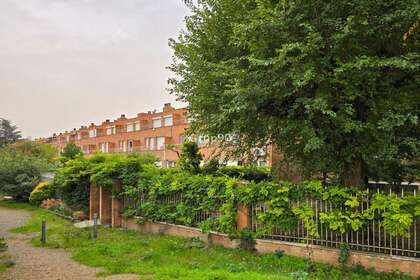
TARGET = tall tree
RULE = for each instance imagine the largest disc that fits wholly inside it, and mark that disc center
(8, 132)
(330, 82)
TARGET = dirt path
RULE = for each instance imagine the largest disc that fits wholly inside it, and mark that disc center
(40, 263)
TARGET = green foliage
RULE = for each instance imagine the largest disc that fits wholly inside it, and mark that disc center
(249, 173)
(21, 165)
(43, 151)
(247, 241)
(72, 181)
(397, 213)
(19, 173)
(71, 151)
(158, 256)
(3, 244)
(122, 168)
(42, 191)
(8, 133)
(344, 253)
(190, 157)
(276, 71)
(74, 178)
(176, 196)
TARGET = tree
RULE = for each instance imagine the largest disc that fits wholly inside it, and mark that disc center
(8, 132)
(19, 173)
(43, 151)
(331, 83)
(190, 157)
(70, 151)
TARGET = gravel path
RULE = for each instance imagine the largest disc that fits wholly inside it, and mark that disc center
(41, 263)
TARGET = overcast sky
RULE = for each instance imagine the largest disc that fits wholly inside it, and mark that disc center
(67, 63)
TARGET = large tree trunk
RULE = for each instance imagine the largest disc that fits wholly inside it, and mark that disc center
(352, 174)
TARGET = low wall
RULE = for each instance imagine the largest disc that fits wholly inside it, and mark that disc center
(380, 262)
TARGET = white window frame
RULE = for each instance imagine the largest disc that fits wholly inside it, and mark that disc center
(168, 120)
(160, 146)
(137, 126)
(157, 122)
(130, 127)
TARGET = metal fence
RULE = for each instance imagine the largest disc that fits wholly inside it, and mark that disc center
(371, 238)
(173, 200)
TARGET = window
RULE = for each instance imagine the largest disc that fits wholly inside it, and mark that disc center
(130, 145)
(110, 130)
(92, 133)
(150, 143)
(79, 136)
(168, 121)
(137, 126)
(181, 139)
(160, 143)
(157, 123)
(130, 127)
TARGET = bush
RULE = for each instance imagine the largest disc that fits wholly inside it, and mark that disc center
(249, 173)
(21, 165)
(73, 183)
(42, 191)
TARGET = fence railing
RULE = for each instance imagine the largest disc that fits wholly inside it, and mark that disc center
(172, 200)
(371, 238)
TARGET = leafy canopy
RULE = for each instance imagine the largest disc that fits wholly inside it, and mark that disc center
(334, 84)
(71, 151)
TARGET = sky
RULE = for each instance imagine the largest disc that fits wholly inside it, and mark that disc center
(67, 63)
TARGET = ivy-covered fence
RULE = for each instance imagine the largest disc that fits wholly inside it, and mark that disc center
(372, 236)
(374, 220)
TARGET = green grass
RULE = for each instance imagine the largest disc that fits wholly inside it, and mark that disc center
(164, 257)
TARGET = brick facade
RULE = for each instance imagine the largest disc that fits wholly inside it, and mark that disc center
(158, 133)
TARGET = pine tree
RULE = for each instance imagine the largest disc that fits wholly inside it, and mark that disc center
(9, 133)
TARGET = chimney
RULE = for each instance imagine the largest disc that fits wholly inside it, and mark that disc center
(107, 120)
(122, 116)
(167, 107)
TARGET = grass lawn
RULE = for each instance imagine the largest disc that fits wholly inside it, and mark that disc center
(163, 257)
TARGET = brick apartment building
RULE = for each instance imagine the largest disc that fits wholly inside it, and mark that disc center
(158, 133)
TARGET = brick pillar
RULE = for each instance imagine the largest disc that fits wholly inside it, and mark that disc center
(93, 201)
(243, 217)
(105, 206)
(117, 206)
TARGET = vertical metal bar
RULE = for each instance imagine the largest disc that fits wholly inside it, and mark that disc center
(390, 237)
(43, 232)
(415, 229)
(379, 227)
(369, 224)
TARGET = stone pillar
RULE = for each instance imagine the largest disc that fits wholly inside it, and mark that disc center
(117, 206)
(105, 206)
(93, 201)
(243, 217)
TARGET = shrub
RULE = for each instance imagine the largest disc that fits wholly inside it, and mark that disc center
(21, 166)
(51, 203)
(249, 173)
(42, 191)
(73, 183)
